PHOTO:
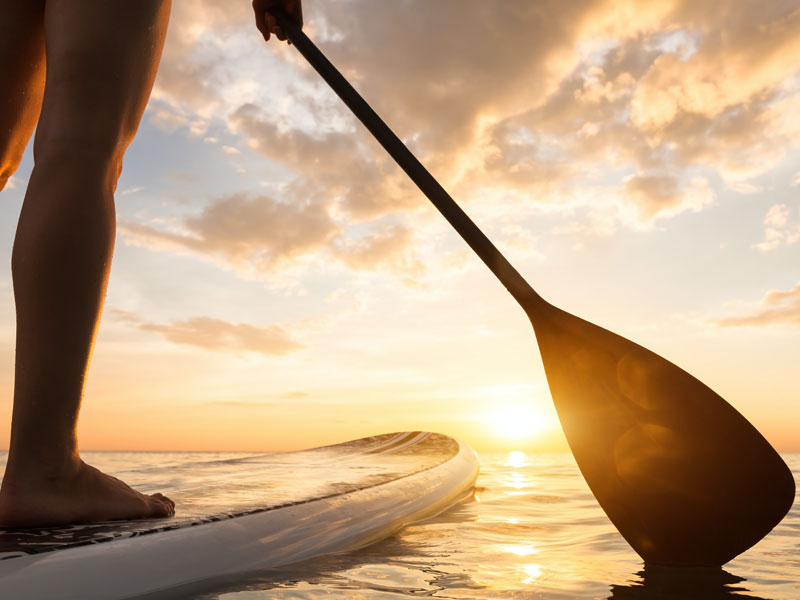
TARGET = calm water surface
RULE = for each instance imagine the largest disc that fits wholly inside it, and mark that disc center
(532, 530)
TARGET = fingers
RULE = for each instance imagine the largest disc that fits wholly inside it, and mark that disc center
(261, 25)
(272, 23)
(266, 22)
(260, 10)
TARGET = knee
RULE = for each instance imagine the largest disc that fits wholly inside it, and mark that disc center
(83, 161)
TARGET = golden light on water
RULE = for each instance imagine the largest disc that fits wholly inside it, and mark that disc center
(520, 549)
(533, 572)
(516, 459)
(516, 480)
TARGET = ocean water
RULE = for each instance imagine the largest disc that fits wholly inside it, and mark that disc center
(531, 530)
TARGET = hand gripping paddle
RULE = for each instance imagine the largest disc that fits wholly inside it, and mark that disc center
(683, 476)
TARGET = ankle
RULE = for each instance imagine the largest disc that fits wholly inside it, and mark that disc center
(29, 468)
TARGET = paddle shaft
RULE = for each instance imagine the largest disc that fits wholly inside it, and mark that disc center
(483, 247)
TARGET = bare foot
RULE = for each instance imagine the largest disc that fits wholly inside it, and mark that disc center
(83, 495)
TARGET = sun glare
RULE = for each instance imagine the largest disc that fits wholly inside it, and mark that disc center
(520, 549)
(516, 459)
(515, 421)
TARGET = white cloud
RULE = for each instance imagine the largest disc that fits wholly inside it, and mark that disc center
(779, 229)
(552, 104)
(130, 190)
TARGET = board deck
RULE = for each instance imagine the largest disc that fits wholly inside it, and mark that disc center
(242, 515)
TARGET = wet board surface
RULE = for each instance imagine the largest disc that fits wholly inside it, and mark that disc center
(244, 514)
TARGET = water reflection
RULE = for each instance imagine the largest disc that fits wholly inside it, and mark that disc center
(533, 572)
(517, 481)
(537, 532)
(665, 583)
(516, 459)
(520, 549)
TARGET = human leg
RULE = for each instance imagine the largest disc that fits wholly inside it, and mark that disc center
(22, 68)
(102, 58)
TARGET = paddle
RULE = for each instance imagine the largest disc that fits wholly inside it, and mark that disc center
(683, 476)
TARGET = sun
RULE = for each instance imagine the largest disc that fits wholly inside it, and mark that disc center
(515, 421)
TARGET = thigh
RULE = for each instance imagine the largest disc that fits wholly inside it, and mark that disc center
(102, 58)
(22, 69)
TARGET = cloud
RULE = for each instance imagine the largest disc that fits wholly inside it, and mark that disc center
(385, 249)
(218, 335)
(167, 120)
(127, 317)
(364, 183)
(660, 195)
(130, 190)
(778, 229)
(553, 102)
(442, 81)
(776, 308)
(222, 336)
(726, 104)
(248, 233)
(193, 64)
(633, 106)
(257, 235)
(729, 68)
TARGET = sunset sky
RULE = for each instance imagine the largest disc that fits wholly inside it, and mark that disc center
(278, 283)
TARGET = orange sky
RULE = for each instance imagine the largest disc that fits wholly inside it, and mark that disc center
(279, 284)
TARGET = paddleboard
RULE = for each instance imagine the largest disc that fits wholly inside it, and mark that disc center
(244, 515)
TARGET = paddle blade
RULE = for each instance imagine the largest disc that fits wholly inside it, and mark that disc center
(684, 477)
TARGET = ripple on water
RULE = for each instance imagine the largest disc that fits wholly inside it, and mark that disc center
(532, 530)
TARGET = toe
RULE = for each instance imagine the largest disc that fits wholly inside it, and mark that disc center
(161, 506)
(163, 498)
